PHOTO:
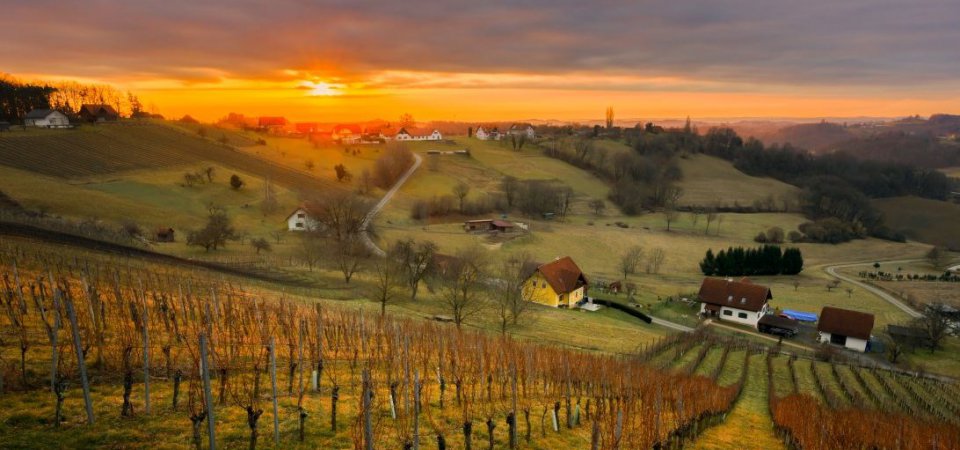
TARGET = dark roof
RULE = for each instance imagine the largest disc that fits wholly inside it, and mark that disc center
(734, 294)
(95, 109)
(479, 221)
(502, 224)
(845, 322)
(779, 322)
(38, 113)
(901, 331)
(563, 275)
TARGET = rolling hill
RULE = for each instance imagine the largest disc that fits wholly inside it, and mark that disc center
(924, 220)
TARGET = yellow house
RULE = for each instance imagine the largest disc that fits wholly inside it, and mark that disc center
(559, 283)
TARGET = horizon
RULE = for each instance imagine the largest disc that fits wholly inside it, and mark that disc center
(478, 62)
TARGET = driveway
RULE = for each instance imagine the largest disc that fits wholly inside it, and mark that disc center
(383, 202)
(832, 271)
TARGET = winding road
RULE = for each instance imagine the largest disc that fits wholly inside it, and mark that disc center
(383, 202)
(832, 271)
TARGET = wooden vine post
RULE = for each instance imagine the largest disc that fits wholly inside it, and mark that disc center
(80, 360)
(207, 393)
(273, 383)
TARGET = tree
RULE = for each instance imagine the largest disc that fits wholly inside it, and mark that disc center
(416, 261)
(512, 296)
(630, 260)
(775, 235)
(236, 182)
(655, 260)
(670, 215)
(609, 117)
(261, 244)
(462, 284)
(348, 256)
(938, 257)
(270, 203)
(564, 199)
(217, 231)
(709, 263)
(277, 235)
(832, 284)
(342, 173)
(792, 261)
(387, 282)
(597, 205)
(510, 187)
(340, 212)
(934, 322)
(460, 191)
(391, 165)
(406, 120)
(711, 216)
(849, 291)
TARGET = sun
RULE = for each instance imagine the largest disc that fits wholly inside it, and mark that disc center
(322, 89)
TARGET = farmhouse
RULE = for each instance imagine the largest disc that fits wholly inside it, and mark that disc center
(735, 301)
(488, 225)
(301, 220)
(487, 133)
(850, 329)
(559, 283)
(98, 113)
(417, 135)
(522, 129)
(347, 133)
(271, 124)
(46, 118)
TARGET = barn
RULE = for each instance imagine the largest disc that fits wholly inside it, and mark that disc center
(736, 301)
(301, 220)
(98, 113)
(846, 328)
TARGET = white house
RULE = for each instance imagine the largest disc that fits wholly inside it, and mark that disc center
(301, 220)
(487, 133)
(417, 135)
(846, 328)
(734, 301)
(46, 118)
(519, 129)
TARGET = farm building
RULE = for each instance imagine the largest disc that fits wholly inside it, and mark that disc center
(524, 129)
(301, 220)
(98, 113)
(272, 124)
(347, 133)
(46, 118)
(164, 234)
(781, 326)
(735, 301)
(488, 225)
(559, 283)
(417, 135)
(910, 337)
(487, 133)
(846, 328)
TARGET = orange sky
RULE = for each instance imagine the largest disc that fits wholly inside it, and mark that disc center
(330, 60)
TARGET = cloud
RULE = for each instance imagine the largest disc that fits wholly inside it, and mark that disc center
(906, 44)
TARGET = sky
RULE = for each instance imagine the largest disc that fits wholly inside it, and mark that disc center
(474, 60)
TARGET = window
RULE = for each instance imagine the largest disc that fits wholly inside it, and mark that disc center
(299, 224)
(742, 315)
(301, 215)
(727, 312)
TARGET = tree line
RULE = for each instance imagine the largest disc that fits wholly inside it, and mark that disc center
(17, 98)
(764, 260)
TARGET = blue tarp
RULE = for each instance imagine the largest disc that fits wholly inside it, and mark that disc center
(800, 315)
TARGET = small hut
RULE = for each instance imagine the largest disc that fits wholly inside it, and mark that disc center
(164, 234)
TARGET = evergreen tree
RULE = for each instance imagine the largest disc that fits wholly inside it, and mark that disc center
(792, 261)
(709, 264)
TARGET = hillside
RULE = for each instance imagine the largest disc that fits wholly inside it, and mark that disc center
(924, 220)
(710, 181)
(815, 137)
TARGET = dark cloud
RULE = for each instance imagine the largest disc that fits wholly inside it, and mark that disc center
(876, 43)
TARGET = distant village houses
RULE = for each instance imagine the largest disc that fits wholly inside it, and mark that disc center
(559, 283)
(417, 135)
(522, 129)
(735, 301)
(485, 133)
(98, 113)
(272, 124)
(46, 118)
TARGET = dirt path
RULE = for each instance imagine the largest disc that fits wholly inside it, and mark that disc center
(748, 426)
(383, 202)
(712, 323)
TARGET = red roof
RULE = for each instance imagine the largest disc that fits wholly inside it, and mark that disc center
(734, 294)
(563, 275)
(272, 121)
(845, 322)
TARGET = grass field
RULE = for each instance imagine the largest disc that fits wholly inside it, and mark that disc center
(925, 220)
(711, 181)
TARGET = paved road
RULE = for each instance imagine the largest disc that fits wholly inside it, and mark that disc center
(832, 271)
(383, 202)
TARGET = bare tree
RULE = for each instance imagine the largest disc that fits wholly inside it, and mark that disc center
(935, 324)
(348, 256)
(462, 284)
(832, 284)
(512, 296)
(630, 260)
(387, 282)
(711, 216)
(938, 257)
(270, 203)
(564, 199)
(341, 213)
(461, 190)
(597, 205)
(655, 260)
(670, 215)
(415, 260)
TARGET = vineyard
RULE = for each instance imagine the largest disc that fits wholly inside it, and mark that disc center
(106, 149)
(90, 345)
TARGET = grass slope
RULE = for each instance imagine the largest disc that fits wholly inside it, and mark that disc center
(925, 220)
(711, 181)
